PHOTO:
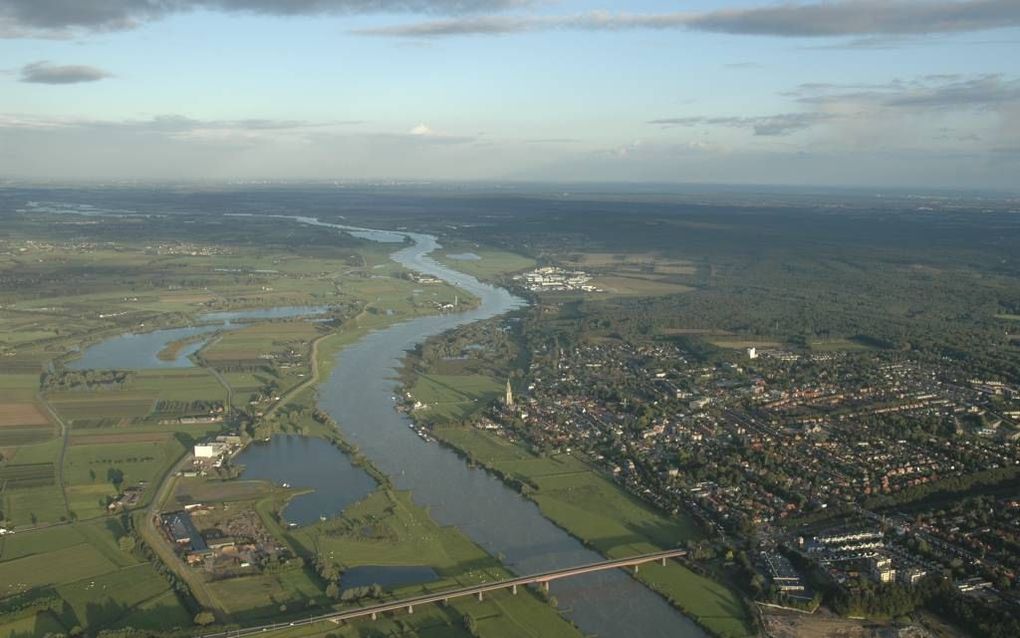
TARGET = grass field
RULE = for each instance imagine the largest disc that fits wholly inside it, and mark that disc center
(593, 508)
(387, 528)
(455, 396)
(76, 562)
(111, 599)
(637, 286)
(98, 584)
(17, 387)
(492, 263)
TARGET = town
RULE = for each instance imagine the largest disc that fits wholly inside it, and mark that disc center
(816, 457)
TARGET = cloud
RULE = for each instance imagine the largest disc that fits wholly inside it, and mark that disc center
(21, 18)
(863, 17)
(927, 92)
(421, 129)
(165, 125)
(829, 19)
(766, 125)
(45, 73)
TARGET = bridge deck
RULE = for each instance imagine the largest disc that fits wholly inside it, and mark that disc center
(473, 590)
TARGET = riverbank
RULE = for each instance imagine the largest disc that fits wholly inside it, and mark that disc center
(387, 528)
(607, 519)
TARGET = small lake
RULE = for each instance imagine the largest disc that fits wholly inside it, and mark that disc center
(140, 350)
(305, 462)
(387, 576)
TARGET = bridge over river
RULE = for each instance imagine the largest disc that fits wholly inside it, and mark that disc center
(408, 604)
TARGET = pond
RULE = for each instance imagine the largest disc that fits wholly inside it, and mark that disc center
(140, 350)
(305, 462)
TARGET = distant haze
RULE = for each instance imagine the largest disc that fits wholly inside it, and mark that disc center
(843, 92)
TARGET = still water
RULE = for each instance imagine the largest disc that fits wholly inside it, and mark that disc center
(305, 462)
(140, 350)
(358, 394)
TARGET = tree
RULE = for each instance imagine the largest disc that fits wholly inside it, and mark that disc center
(333, 591)
(126, 543)
(115, 476)
(204, 618)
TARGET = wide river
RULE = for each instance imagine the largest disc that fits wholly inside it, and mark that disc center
(359, 395)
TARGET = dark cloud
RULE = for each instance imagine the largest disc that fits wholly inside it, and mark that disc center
(839, 18)
(35, 17)
(766, 125)
(863, 17)
(46, 73)
(931, 91)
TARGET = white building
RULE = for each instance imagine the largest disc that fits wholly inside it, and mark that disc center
(209, 450)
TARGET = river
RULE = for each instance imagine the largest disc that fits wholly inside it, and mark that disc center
(358, 395)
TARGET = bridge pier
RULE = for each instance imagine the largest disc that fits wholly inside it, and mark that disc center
(513, 588)
(481, 597)
(663, 561)
(374, 616)
(545, 585)
(637, 568)
(410, 609)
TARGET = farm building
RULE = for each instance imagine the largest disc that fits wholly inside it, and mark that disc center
(182, 531)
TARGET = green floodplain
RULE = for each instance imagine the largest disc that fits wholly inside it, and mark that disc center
(73, 442)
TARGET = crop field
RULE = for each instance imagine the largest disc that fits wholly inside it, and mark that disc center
(13, 437)
(21, 415)
(87, 438)
(76, 406)
(27, 475)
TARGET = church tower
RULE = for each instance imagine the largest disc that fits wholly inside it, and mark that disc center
(509, 395)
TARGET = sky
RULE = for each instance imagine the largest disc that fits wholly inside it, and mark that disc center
(910, 93)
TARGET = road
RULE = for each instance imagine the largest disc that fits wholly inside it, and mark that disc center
(153, 536)
(313, 366)
(65, 432)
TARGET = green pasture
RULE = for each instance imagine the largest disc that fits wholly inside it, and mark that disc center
(493, 263)
(455, 397)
